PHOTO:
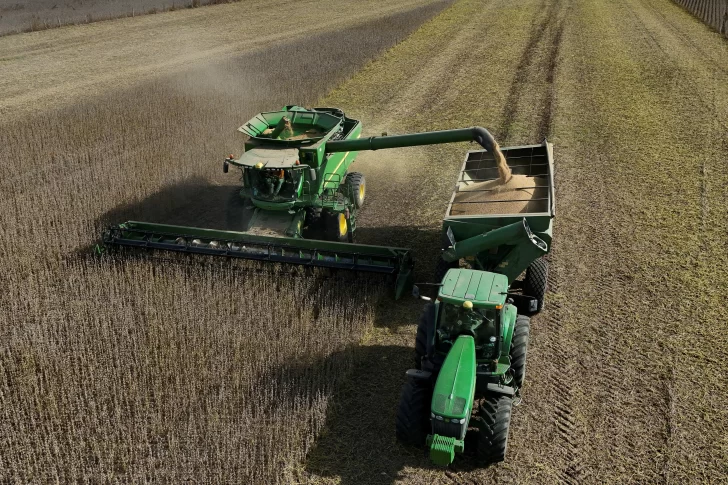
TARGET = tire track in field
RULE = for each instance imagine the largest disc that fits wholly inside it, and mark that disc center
(535, 74)
(536, 69)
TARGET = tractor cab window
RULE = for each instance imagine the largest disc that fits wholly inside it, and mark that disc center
(456, 320)
(275, 184)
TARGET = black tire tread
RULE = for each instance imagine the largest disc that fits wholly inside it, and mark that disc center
(519, 349)
(494, 421)
(355, 179)
(413, 413)
(426, 319)
(536, 280)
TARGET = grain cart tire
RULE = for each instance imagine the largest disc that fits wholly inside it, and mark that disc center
(357, 185)
(493, 423)
(519, 349)
(413, 413)
(535, 283)
(336, 226)
(427, 320)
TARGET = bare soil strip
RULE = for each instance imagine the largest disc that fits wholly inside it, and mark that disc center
(113, 55)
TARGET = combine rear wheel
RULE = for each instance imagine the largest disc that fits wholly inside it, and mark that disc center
(493, 422)
(519, 349)
(356, 186)
(336, 226)
(413, 413)
(535, 283)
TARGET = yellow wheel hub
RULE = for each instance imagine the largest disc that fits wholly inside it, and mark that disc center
(362, 192)
(342, 225)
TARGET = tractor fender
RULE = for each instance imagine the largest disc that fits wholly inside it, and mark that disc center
(509, 315)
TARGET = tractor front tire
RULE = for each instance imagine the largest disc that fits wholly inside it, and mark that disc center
(535, 283)
(413, 413)
(519, 349)
(356, 183)
(427, 320)
(494, 422)
(336, 226)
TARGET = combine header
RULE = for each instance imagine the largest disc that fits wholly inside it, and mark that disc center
(298, 203)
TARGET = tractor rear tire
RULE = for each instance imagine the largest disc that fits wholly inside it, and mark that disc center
(336, 228)
(536, 278)
(493, 422)
(413, 413)
(519, 349)
(427, 320)
(357, 185)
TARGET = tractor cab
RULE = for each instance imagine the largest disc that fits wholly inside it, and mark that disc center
(471, 303)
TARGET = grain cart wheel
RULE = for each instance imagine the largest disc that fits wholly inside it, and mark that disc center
(337, 226)
(519, 349)
(493, 422)
(413, 413)
(535, 283)
(356, 183)
(427, 320)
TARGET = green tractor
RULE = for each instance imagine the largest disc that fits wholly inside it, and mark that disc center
(472, 341)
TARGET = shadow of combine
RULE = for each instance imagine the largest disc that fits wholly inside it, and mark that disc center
(193, 202)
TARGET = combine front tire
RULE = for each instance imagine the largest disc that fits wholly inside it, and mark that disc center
(519, 349)
(535, 283)
(493, 422)
(356, 184)
(413, 413)
(337, 226)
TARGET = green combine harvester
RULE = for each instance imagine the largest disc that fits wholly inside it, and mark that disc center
(299, 204)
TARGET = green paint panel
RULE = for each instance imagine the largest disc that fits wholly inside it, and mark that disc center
(455, 386)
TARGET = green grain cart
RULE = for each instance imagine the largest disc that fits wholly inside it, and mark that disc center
(471, 343)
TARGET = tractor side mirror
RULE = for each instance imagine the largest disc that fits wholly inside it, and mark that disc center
(225, 166)
(416, 293)
(312, 174)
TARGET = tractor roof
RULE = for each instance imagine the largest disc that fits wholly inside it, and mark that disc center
(483, 288)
